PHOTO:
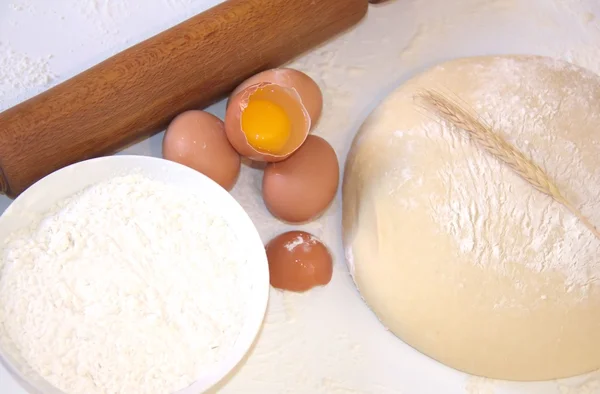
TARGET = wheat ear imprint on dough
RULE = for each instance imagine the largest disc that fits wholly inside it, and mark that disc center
(478, 131)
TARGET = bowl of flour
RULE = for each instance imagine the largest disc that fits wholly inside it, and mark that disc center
(128, 274)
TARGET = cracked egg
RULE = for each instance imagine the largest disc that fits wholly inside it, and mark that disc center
(269, 120)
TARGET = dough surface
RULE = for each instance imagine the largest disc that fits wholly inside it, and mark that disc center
(457, 255)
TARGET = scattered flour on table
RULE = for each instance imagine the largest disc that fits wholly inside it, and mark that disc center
(106, 16)
(589, 384)
(20, 73)
(479, 385)
(21, 6)
(127, 287)
(178, 3)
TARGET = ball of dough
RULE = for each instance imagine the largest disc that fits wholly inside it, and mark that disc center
(456, 254)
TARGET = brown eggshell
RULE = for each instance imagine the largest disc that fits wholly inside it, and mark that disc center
(298, 261)
(301, 187)
(307, 88)
(197, 139)
(288, 99)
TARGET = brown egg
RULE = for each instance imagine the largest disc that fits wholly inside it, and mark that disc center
(298, 262)
(197, 139)
(307, 88)
(301, 187)
(266, 122)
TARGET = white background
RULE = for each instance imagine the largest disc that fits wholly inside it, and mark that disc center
(327, 340)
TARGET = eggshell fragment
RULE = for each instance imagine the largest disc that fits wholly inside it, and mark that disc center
(301, 187)
(298, 261)
(197, 139)
(307, 88)
(286, 98)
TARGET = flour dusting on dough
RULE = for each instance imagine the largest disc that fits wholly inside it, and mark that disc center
(489, 210)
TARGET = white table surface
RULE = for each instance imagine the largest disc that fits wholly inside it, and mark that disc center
(325, 341)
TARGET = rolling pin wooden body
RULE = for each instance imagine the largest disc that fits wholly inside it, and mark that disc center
(138, 91)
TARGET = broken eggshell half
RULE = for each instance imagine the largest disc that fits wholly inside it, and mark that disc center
(288, 99)
(307, 88)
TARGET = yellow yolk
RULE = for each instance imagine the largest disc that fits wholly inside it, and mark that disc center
(266, 126)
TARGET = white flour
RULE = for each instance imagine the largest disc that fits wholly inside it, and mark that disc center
(293, 244)
(301, 240)
(20, 73)
(490, 211)
(588, 385)
(127, 287)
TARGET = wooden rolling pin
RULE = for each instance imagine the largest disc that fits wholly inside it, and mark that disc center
(138, 91)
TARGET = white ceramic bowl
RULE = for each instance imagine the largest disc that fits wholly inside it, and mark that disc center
(40, 197)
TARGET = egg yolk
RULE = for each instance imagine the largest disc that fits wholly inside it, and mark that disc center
(266, 125)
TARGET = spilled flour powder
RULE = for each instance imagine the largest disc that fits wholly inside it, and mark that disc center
(20, 73)
(304, 240)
